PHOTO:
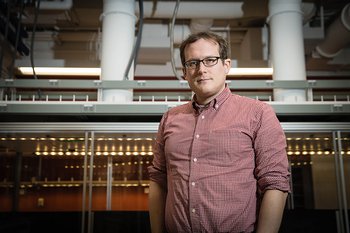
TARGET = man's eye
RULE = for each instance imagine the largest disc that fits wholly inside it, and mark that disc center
(210, 60)
(192, 63)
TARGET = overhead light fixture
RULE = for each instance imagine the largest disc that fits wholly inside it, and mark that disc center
(61, 71)
(250, 72)
(80, 71)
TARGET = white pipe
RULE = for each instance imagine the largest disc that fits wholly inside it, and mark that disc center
(337, 36)
(193, 10)
(158, 35)
(118, 31)
(287, 46)
(345, 16)
(309, 10)
(200, 25)
(56, 5)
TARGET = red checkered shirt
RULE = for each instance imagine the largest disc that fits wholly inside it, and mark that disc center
(215, 161)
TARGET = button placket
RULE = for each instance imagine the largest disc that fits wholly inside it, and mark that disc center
(194, 186)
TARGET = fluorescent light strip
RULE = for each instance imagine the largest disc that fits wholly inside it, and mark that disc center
(72, 71)
(97, 71)
(250, 71)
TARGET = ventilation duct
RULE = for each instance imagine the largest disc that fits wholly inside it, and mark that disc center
(200, 25)
(337, 36)
(56, 5)
(187, 10)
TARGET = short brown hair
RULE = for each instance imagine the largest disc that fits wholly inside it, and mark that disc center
(223, 45)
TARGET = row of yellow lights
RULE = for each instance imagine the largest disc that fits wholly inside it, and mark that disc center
(78, 185)
(307, 139)
(54, 185)
(150, 153)
(98, 153)
(147, 162)
(132, 139)
(300, 164)
(315, 153)
(104, 166)
(315, 139)
(72, 139)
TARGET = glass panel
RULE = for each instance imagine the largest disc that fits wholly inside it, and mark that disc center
(345, 143)
(41, 174)
(311, 158)
(50, 173)
(7, 168)
(121, 161)
(313, 203)
(129, 156)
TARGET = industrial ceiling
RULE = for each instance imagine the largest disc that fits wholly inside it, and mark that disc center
(70, 32)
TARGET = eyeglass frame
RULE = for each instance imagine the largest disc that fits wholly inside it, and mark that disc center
(199, 61)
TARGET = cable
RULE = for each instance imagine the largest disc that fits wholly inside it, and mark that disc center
(154, 8)
(137, 45)
(172, 25)
(5, 36)
(139, 33)
(18, 32)
(32, 43)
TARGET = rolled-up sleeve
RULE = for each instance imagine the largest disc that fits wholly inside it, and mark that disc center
(157, 170)
(272, 170)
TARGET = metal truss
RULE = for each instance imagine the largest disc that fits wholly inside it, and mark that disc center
(86, 107)
(161, 84)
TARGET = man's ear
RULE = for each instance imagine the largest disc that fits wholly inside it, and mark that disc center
(184, 73)
(227, 65)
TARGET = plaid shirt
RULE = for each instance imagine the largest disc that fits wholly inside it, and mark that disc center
(215, 160)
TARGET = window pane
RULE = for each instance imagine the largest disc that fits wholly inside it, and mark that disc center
(311, 158)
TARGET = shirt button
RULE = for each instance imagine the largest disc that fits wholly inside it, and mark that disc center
(195, 160)
(197, 135)
(193, 210)
(203, 117)
(216, 105)
(193, 183)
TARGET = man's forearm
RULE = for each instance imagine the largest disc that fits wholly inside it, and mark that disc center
(157, 197)
(271, 211)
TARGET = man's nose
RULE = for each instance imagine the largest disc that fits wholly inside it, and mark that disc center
(201, 66)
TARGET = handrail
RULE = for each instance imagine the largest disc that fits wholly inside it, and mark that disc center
(169, 84)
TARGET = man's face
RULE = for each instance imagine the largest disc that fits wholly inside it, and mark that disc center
(206, 82)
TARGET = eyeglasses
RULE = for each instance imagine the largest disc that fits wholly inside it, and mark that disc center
(208, 62)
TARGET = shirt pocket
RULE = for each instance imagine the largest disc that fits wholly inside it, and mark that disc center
(225, 147)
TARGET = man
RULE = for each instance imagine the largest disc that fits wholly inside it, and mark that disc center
(220, 163)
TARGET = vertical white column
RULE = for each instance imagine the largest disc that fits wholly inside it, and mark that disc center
(287, 46)
(118, 35)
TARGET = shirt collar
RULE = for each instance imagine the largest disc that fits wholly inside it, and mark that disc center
(215, 103)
